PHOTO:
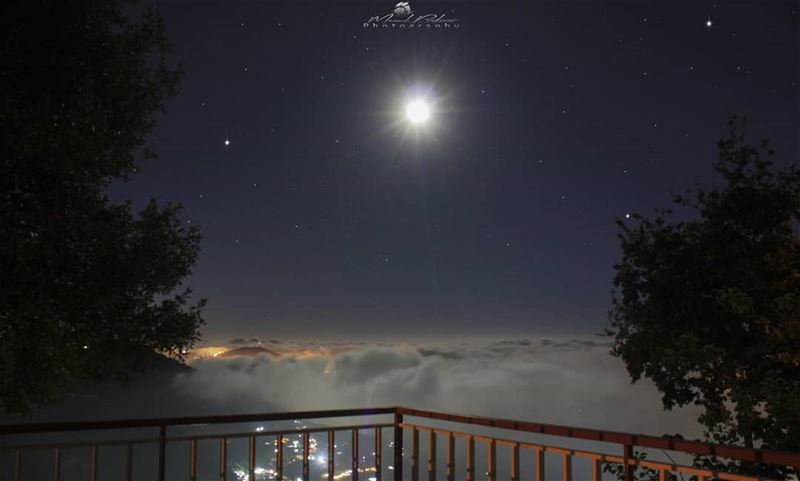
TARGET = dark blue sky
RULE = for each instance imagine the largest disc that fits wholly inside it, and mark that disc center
(325, 217)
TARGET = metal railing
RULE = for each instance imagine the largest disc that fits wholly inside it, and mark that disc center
(516, 440)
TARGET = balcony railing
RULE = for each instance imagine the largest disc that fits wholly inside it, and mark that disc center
(517, 441)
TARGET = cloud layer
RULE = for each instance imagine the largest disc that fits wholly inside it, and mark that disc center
(572, 382)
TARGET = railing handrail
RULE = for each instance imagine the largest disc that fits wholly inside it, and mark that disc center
(627, 439)
(616, 437)
(34, 428)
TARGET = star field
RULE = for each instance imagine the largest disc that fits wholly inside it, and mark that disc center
(323, 214)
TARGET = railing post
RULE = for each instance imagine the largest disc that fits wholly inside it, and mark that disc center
(566, 467)
(491, 460)
(306, 454)
(162, 452)
(354, 450)
(251, 459)
(414, 454)
(331, 453)
(223, 458)
(470, 459)
(93, 472)
(451, 460)
(539, 464)
(431, 455)
(398, 446)
(192, 461)
(515, 462)
(627, 469)
(597, 470)
(279, 457)
(378, 454)
(57, 464)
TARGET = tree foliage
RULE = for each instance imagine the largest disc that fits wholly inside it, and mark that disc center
(87, 287)
(709, 308)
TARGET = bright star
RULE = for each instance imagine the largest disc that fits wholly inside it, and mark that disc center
(227, 142)
(417, 111)
(708, 23)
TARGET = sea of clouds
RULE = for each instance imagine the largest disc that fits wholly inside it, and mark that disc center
(561, 381)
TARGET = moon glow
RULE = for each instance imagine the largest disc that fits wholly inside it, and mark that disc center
(417, 111)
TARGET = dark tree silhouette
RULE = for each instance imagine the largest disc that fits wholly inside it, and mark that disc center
(87, 288)
(709, 309)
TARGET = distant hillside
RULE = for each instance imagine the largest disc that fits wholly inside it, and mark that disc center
(166, 365)
(248, 351)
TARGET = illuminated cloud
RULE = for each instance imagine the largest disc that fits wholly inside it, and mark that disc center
(561, 381)
(564, 381)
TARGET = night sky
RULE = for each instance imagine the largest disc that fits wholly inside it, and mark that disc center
(325, 213)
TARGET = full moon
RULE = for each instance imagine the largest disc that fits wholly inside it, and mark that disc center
(417, 111)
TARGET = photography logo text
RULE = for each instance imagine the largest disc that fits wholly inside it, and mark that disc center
(402, 17)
